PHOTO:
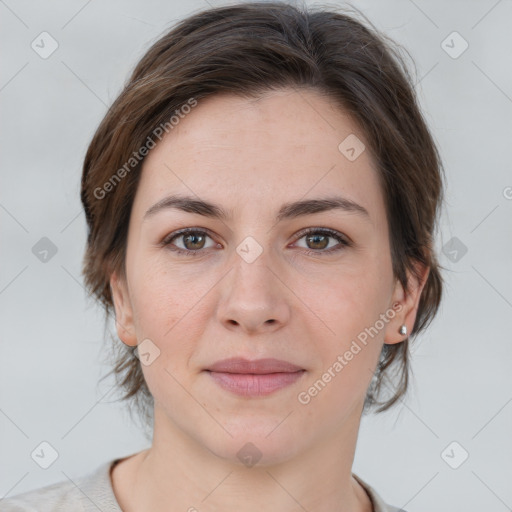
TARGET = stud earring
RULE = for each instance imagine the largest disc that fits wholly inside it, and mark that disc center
(403, 330)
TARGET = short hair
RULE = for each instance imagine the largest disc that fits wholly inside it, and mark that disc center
(246, 50)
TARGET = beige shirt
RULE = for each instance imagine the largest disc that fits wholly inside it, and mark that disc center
(93, 492)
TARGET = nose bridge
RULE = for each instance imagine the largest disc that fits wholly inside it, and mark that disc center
(253, 297)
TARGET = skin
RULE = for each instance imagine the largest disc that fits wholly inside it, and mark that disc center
(251, 157)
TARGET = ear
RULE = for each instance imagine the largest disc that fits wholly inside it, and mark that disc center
(405, 303)
(123, 309)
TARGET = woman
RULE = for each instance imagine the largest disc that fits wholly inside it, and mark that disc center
(261, 201)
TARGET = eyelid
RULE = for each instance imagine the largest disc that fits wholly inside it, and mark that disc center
(185, 231)
(328, 231)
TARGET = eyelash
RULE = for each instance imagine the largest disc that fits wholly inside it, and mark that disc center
(323, 231)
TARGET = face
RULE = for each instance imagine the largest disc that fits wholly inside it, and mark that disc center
(310, 285)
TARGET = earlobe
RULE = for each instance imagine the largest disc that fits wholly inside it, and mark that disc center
(123, 311)
(407, 303)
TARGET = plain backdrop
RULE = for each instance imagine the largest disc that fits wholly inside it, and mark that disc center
(53, 351)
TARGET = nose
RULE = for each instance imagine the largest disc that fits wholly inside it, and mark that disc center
(253, 298)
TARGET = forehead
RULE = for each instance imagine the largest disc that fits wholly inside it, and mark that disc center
(251, 152)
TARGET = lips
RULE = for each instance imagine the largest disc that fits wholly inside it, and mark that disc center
(257, 378)
(240, 365)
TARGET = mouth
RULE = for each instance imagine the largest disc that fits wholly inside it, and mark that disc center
(255, 366)
(259, 377)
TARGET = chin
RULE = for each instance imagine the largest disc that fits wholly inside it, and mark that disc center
(262, 444)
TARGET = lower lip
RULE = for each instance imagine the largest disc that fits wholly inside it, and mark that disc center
(249, 384)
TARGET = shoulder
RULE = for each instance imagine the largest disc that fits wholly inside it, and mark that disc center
(92, 491)
(59, 496)
(379, 505)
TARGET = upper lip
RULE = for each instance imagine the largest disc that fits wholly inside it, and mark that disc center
(257, 366)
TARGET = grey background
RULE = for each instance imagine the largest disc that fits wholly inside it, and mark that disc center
(52, 346)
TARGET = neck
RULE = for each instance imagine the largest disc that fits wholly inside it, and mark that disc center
(178, 473)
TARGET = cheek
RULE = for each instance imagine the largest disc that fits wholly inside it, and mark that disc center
(166, 310)
(349, 354)
(171, 310)
(347, 309)
(161, 297)
(347, 300)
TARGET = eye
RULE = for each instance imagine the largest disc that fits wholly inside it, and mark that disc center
(193, 241)
(317, 240)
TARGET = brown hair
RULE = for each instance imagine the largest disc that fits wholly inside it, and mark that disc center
(248, 49)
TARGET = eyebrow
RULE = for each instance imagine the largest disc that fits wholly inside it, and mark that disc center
(287, 211)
